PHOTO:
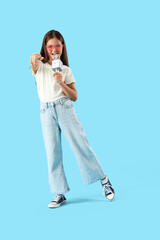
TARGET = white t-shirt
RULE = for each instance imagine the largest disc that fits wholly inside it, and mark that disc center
(48, 90)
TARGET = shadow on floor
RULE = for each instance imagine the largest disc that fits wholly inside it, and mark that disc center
(84, 200)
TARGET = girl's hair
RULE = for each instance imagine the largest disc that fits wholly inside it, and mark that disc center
(49, 35)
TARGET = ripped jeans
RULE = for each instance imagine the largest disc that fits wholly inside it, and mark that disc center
(60, 116)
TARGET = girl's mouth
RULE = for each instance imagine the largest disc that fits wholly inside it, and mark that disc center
(53, 55)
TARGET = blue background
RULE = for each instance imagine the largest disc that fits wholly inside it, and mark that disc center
(113, 50)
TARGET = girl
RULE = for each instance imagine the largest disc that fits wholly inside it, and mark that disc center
(56, 92)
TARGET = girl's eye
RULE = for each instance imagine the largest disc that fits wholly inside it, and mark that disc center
(54, 46)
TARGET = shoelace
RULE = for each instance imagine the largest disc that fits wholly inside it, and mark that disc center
(107, 188)
(57, 198)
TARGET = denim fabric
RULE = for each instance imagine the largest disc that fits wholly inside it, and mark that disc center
(60, 116)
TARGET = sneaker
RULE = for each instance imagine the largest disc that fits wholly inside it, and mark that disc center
(57, 201)
(108, 190)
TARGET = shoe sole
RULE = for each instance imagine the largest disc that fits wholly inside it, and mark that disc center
(111, 198)
(56, 205)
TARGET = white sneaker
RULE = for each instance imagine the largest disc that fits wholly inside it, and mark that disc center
(57, 201)
(108, 190)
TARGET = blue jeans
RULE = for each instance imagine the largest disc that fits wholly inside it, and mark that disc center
(60, 116)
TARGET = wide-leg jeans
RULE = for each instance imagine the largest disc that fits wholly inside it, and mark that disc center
(60, 116)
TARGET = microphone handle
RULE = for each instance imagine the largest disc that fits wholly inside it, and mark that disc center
(57, 70)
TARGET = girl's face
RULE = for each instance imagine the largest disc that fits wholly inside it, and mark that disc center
(54, 46)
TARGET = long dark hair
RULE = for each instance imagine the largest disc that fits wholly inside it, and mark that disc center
(49, 35)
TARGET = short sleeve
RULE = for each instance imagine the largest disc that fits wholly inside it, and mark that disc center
(39, 69)
(69, 77)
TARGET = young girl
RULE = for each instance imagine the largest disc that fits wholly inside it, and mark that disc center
(56, 92)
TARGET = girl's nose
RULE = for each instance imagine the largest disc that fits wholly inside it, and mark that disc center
(54, 52)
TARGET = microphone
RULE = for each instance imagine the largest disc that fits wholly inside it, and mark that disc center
(57, 64)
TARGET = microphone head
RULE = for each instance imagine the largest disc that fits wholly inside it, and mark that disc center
(56, 57)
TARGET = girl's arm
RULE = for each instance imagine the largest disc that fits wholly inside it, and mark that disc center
(69, 90)
(35, 61)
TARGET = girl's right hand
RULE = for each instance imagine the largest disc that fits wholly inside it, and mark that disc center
(35, 61)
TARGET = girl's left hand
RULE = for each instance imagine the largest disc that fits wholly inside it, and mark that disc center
(58, 77)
